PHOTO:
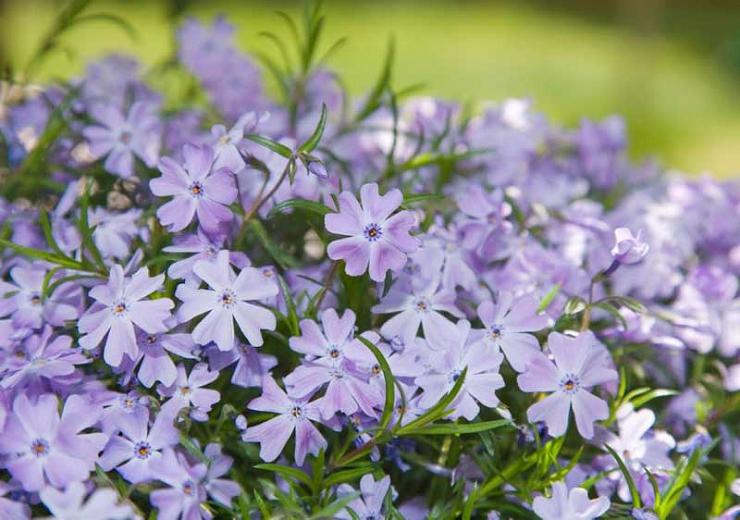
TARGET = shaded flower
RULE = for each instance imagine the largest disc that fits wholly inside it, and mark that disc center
(629, 248)
(370, 503)
(572, 504)
(101, 504)
(186, 492)
(375, 237)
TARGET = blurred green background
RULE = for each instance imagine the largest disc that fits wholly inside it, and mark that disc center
(672, 68)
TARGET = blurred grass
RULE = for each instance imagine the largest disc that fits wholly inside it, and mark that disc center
(659, 67)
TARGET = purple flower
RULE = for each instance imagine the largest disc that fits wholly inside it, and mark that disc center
(335, 357)
(202, 247)
(481, 380)
(186, 492)
(227, 300)
(119, 306)
(154, 361)
(251, 365)
(197, 188)
(577, 367)
(121, 137)
(187, 391)
(507, 322)
(113, 232)
(485, 220)
(137, 449)
(629, 248)
(418, 302)
(11, 509)
(572, 504)
(374, 236)
(370, 503)
(293, 415)
(41, 357)
(24, 303)
(42, 447)
(226, 143)
(220, 489)
(102, 504)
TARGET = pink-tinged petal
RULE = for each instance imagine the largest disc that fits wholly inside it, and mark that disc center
(311, 341)
(404, 325)
(273, 398)
(306, 379)
(252, 318)
(554, 410)
(523, 316)
(384, 256)
(355, 251)
(120, 161)
(349, 221)
(272, 435)
(307, 440)
(588, 408)
(540, 375)
(195, 302)
(338, 398)
(198, 160)
(338, 330)
(396, 230)
(217, 326)
(378, 208)
(150, 315)
(519, 348)
(61, 469)
(121, 340)
(177, 213)
(29, 471)
(251, 285)
(569, 353)
(216, 273)
(220, 187)
(212, 214)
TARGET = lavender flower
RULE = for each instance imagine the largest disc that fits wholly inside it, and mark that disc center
(227, 300)
(43, 448)
(186, 492)
(575, 369)
(293, 415)
(119, 306)
(187, 391)
(251, 365)
(571, 504)
(374, 237)
(121, 137)
(197, 188)
(101, 504)
(629, 248)
(371, 500)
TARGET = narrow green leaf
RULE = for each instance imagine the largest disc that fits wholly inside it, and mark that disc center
(653, 394)
(332, 509)
(574, 305)
(437, 411)
(281, 257)
(634, 493)
(290, 306)
(48, 234)
(548, 298)
(422, 197)
(681, 477)
(312, 142)
(42, 255)
(268, 143)
(456, 428)
(302, 204)
(287, 472)
(347, 475)
(390, 389)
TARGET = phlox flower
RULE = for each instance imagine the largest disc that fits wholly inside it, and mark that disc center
(43, 448)
(196, 188)
(121, 137)
(154, 361)
(577, 366)
(185, 492)
(371, 500)
(227, 299)
(187, 391)
(336, 358)
(418, 303)
(220, 489)
(481, 380)
(226, 142)
(251, 365)
(629, 248)
(22, 300)
(12, 509)
(137, 449)
(507, 323)
(485, 218)
(375, 236)
(70, 504)
(572, 504)
(202, 247)
(113, 232)
(294, 415)
(120, 306)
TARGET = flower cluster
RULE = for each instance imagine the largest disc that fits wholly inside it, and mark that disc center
(237, 305)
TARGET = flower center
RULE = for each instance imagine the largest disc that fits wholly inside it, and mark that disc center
(196, 189)
(224, 139)
(227, 298)
(372, 232)
(334, 353)
(40, 447)
(188, 487)
(495, 331)
(570, 384)
(119, 308)
(128, 403)
(296, 411)
(184, 390)
(142, 450)
(421, 305)
(376, 370)
(35, 299)
(125, 137)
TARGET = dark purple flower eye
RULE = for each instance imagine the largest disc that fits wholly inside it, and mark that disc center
(372, 232)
